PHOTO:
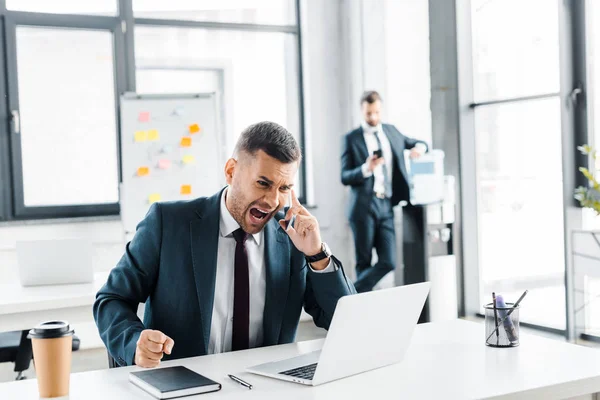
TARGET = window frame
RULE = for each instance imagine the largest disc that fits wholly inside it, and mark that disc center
(12, 206)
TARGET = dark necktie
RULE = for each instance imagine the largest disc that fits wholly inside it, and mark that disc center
(241, 299)
(386, 178)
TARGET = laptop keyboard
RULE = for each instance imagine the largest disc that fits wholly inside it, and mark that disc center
(305, 372)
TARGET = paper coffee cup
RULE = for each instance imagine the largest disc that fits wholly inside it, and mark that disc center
(52, 343)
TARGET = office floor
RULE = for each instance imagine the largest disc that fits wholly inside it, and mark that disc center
(93, 359)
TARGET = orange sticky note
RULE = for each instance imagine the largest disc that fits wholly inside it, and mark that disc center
(164, 164)
(194, 128)
(186, 142)
(188, 159)
(144, 116)
(143, 171)
(140, 136)
(153, 198)
(153, 135)
(186, 189)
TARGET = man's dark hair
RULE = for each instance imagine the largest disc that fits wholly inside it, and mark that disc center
(271, 138)
(370, 96)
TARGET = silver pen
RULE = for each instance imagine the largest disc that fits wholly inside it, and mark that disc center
(241, 382)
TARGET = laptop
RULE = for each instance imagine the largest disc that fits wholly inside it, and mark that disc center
(54, 262)
(368, 331)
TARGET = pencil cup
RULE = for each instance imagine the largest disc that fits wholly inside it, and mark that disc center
(502, 325)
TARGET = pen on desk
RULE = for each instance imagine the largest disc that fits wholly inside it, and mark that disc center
(496, 318)
(241, 382)
(513, 308)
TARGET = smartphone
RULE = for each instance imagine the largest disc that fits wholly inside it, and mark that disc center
(293, 219)
(378, 153)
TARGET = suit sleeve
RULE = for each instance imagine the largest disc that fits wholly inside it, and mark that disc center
(129, 283)
(352, 173)
(323, 292)
(409, 143)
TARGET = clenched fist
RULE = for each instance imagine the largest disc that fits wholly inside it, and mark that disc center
(150, 348)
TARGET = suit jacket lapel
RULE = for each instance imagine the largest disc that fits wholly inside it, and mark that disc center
(204, 237)
(277, 264)
(362, 145)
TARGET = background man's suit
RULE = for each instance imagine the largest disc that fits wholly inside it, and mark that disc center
(171, 265)
(371, 218)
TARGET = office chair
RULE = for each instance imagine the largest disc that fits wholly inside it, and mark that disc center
(15, 347)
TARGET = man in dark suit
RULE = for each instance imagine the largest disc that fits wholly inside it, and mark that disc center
(227, 272)
(373, 166)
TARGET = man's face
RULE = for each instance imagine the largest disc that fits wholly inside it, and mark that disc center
(372, 112)
(259, 186)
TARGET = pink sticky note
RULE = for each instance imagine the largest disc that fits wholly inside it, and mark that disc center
(164, 164)
(144, 116)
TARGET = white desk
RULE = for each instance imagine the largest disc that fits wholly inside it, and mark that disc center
(446, 360)
(24, 307)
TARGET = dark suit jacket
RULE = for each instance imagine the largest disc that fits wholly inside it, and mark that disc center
(354, 154)
(171, 265)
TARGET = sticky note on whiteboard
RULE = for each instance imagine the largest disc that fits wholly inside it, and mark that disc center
(140, 136)
(164, 164)
(153, 135)
(186, 142)
(186, 189)
(143, 171)
(153, 198)
(189, 159)
(194, 128)
(144, 116)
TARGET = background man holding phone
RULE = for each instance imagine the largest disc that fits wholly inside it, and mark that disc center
(373, 166)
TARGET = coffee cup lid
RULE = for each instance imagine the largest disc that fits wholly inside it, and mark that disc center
(51, 330)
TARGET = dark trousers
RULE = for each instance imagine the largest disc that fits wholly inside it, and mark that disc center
(375, 228)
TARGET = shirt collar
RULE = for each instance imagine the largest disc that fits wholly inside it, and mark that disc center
(227, 224)
(371, 129)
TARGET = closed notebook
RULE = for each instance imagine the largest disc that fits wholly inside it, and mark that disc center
(170, 382)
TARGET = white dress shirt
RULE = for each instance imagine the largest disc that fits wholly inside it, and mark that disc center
(221, 327)
(371, 141)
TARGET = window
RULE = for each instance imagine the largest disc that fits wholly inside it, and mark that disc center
(515, 48)
(64, 114)
(408, 80)
(274, 12)
(259, 64)
(519, 155)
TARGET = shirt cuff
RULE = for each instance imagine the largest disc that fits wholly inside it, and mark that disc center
(421, 148)
(365, 171)
(331, 267)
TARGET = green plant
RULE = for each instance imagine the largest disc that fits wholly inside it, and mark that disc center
(589, 196)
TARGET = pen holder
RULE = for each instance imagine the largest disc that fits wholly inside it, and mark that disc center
(507, 332)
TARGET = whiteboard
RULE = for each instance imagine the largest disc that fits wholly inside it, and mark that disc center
(171, 149)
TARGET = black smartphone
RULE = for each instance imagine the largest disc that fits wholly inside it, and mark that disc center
(378, 153)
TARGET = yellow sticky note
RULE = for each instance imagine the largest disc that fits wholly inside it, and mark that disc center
(153, 198)
(186, 142)
(143, 171)
(186, 189)
(140, 136)
(194, 128)
(189, 159)
(153, 135)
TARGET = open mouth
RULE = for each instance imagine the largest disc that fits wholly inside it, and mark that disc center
(258, 214)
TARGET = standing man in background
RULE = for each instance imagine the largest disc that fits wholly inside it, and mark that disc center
(373, 166)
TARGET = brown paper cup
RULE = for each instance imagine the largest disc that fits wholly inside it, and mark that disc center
(52, 342)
